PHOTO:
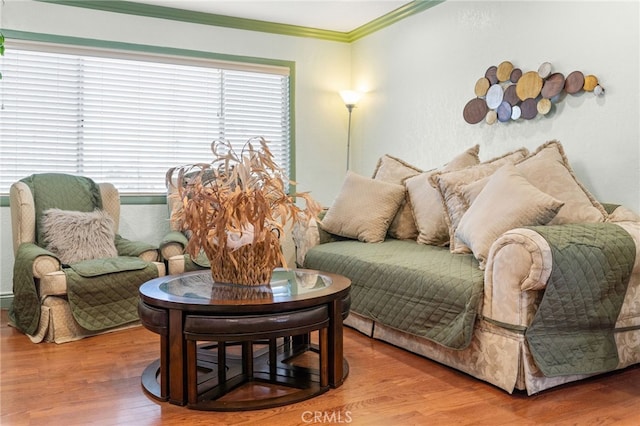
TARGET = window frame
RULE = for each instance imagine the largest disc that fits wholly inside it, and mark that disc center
(96, 47)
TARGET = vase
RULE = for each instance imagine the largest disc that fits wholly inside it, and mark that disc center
(250, 264)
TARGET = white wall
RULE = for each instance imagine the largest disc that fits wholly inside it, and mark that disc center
(322, 69)
(421, 72)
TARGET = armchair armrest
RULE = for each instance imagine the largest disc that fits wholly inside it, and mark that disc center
(44, 262)
(140, 249)
(173, 244)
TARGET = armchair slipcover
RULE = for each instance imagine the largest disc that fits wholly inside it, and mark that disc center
(173, 245)
(61, 302)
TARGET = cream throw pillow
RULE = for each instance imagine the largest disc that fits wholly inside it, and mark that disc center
(394, 170)
(549, 170)
(427, 208)
(447, 184)
(507, 201)
(363, 209)
(76, 236)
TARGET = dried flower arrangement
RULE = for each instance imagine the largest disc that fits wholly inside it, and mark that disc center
(235, 209)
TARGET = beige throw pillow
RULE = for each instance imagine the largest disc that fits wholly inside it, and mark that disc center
(447, 184)
(76, 236)
(394, 170)
(363, 209)
(427, 208)
(507, 201)
(549, 170)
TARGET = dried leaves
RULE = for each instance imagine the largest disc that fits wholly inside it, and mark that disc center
(235, 197)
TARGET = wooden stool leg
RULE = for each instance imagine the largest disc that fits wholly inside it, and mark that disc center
(222, 362)
(273, 357)
(247, 359)
(164, 366)
(323, 343)
(192, 372)
(302, 339)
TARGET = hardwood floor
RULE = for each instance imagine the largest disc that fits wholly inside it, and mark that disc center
(97, 381)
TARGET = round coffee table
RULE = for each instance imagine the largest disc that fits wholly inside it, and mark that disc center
(216, 339)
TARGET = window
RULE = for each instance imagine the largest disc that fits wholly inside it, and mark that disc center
(126, 118)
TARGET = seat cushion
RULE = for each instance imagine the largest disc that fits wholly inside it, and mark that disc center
(421, 289)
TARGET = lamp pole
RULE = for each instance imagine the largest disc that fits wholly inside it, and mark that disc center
(350, 99)
(350, 108)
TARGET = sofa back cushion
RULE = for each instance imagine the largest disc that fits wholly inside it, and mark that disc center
(393, 170)
(363, 209)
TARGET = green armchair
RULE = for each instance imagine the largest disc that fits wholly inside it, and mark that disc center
(74, 275)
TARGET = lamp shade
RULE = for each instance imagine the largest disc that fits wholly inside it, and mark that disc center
(350, 97)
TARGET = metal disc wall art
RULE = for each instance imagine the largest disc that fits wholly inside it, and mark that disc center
(506, 93)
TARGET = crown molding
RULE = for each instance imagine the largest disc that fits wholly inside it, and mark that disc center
(163, 12)
(392, 17)
(144, 48)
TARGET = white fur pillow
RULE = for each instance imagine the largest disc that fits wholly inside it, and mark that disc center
(76, 236)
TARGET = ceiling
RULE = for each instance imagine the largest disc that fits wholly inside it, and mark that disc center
(332, 15)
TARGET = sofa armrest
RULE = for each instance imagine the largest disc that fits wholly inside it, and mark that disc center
(518, 268)
(305, 238)
(309, 236)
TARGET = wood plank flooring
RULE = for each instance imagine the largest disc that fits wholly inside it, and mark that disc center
(96, 381)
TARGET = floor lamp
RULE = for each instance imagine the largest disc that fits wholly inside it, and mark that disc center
(350, 98)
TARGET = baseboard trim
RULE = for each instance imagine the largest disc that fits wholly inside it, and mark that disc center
(6, 300)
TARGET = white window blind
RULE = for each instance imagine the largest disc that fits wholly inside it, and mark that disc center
(127, 121)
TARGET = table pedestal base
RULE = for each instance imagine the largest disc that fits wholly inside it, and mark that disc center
(250, 376)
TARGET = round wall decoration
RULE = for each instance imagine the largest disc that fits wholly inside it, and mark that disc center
(507, 94)
(529, 85)
(494, 96)
(544, 70)
(553, 85)
(510, 95)
(504, 71)
(529, 108)
(574, 82)
(504, 112)
(515, 75)
(492, 74)
(544, 106)
(475, 111)
(492, 116)
(515, 112)
(482, 85)
(590, 83)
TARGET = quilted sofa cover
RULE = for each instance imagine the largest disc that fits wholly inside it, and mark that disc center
(518, 269)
